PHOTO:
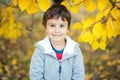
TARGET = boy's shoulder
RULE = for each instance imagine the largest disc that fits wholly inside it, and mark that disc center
(42, 42)
(44, 45)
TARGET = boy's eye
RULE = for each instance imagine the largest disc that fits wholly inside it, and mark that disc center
(61, 25)
(52, 25)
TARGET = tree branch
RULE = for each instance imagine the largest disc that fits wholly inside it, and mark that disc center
(76, 4)
(4, 3)
(102, 20)
(115, 4)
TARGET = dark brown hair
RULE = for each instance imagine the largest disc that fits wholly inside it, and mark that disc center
(57, 11)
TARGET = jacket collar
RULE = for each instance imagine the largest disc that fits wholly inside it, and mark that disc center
(47, 49)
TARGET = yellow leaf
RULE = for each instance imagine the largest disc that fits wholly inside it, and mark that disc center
(32, 9)
(118, 3)
(97, 29)
(14, 2)
(105, 57)
(99, 16)
(89, 5)
(107, 11)
(118, 13)
(116, 24)
(3, 29)
(95, 45)
(109, 63)
(87, 23)
(66, 4)
(14, 61)
(76, 26)
(86, 37)
(44, 4)
(12, 33)
(114, 13)
(102, 45)
(19, 25)
(1, 70)
(75, 9)
(8, 29)
(101, 67)
(110, 28)
(102, 76)
(88, 76)
(102, 4)
(104, 32)
(104, 38)
(23, 4)
(76, 2)
(4, 14)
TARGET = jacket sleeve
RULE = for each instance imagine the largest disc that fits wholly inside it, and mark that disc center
(78, 66)
(37, 65)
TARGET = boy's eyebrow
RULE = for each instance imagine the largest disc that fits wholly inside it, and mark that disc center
(55, 22)
(50, 23)
(60, 23)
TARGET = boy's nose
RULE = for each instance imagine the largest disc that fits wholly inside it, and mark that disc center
(57, 29)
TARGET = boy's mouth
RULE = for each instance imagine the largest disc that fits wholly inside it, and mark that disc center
(57, 35)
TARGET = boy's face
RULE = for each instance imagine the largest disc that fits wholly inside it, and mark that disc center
(57, 29)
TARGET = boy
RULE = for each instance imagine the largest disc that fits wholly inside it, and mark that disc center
(57, 57)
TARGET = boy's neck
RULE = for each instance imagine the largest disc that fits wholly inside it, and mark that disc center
(59, 45)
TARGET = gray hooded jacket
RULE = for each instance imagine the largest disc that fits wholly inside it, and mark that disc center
(45, 66)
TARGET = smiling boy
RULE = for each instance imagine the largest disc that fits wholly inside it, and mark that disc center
(57, 57)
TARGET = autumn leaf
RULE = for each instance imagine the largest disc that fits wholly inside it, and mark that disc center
(66, 4)
(44, 4)
(75, 6)
(23, 4)
(114, 13)
(116, 23)
(89, 5)
(86, 37)
(14, 2)
(32, 9)
(102, 45)
(100, 67)
(102, 4)
(76, 26)
(97, 29)
(88, 23)
(110, 28)
(75, 9)
(10, 29)
(99, 16)
(14, 61)
(95, 45)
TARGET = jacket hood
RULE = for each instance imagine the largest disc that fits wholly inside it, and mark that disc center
(47, 49)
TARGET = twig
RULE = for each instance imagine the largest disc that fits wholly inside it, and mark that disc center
(102, 20)
(75, 4)
(4, 3)
(8, 4)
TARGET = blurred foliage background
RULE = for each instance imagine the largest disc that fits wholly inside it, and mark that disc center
(17, 46)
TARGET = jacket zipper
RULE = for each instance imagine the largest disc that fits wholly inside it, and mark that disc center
(60, 69)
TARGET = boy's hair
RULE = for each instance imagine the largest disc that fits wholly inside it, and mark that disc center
(56, 11)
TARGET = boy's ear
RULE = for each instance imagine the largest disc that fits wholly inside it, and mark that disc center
(45, 29)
